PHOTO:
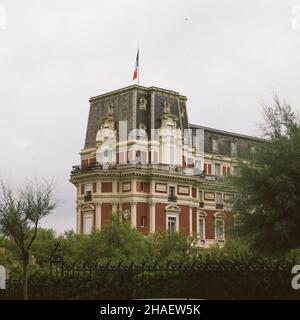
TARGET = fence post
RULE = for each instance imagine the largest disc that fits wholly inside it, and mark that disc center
(56, 258)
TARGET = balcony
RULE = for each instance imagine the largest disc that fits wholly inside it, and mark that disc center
(159, 168)
(88, 196)
(75, 169)
(219, 206)
(172, 198)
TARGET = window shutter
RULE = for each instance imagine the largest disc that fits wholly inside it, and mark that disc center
(228, 171)
(209, 168)
(224, 171)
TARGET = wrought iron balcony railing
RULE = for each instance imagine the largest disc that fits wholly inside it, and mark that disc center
(219, 206)
(172, 198)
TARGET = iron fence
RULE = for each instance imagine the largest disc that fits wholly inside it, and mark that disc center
(135, 280)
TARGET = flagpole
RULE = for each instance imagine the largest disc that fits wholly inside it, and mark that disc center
(138, 77)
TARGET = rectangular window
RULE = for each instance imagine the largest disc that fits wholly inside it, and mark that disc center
(142, 187)
(143, 157)
(219, 232)
(143, 221)
(88, 196)
(94, 187)
(233, 147)
(217, 170)
(172, 191)
(228, 171)
(209, 168)
(200, 196)
(219, 198)
(194, 140)
(88, 223)
(214, 145)
(224, 171)
(201, 228)
(172, 224)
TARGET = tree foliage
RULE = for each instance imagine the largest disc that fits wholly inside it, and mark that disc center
(268, 184)
(20, 215)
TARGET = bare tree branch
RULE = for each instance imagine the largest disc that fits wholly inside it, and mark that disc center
(21, 213)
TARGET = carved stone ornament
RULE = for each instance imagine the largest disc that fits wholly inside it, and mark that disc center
(110, 109)
(126, 214)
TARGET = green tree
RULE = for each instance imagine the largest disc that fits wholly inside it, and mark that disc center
(268, 184)
(20, 215)
(42, 246)
(120, 242)
(169, 246)
(117, 241)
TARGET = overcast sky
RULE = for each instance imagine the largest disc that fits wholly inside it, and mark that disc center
(225, 56)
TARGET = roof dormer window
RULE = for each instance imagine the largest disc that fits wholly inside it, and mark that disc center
(233, 147)
(215, 145)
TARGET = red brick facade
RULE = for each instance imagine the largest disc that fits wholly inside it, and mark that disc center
(106, 187)
(106, 211)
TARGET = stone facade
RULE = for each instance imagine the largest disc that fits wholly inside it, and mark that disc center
(149, 186)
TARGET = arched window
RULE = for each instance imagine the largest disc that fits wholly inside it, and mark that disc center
(88, 219)
(172, 218)
(220, 227)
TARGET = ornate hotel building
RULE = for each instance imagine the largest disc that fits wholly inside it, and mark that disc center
(145, 161)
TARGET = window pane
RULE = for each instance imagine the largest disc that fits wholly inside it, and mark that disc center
(88, 224)
(172, 191)
(200, 196)
(143, 221)
(217, 169)
(219, 229)
(172, 224)
(201, 228)
(215, 145)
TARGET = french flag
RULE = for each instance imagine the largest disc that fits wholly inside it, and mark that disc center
(136, 69)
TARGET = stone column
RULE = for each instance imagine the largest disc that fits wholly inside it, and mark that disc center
(120, 212)
(191, 220)
(98, 216)
(78, 220)
(152, 217)
(133, 214)
(114, 208)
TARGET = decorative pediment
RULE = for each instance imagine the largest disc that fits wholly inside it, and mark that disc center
(202, 213)
(88, 207)
(219, 215)
(172, 208)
